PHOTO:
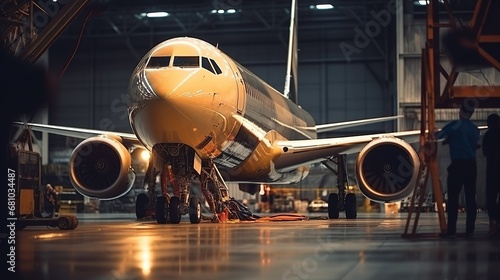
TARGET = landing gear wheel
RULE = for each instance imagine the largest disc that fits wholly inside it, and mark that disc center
(64, 223)
(194, 210)
(161, 209)
(175, 214)
(140, 205)
(333, 206)
(350, 206)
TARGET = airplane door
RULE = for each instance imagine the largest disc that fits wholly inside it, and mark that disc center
(240, 88)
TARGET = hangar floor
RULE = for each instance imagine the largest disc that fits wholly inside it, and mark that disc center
(108, 246)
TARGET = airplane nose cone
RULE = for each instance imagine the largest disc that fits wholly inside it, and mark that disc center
(161, 82)
(140, 90)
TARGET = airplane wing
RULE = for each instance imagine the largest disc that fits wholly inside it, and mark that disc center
(335, 126)
(128, 139)
(295, 153)
(299, 152)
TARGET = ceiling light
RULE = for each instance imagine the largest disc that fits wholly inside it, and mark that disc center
(425, 2)
(222, 11)
(156, 14)
(322, 6)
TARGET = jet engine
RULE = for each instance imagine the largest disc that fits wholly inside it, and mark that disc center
(387, 169)
(100, 167)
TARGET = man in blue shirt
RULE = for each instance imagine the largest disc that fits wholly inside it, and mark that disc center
(462, 136)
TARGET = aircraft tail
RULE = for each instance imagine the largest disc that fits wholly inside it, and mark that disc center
(291, 68)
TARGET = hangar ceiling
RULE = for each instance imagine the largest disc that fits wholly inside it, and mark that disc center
(240, 18)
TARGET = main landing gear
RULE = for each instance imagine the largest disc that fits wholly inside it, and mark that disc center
(341, 201)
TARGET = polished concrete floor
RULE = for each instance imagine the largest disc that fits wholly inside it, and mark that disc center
(119, 247)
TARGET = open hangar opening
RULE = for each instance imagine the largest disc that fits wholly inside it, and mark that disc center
(360, 59)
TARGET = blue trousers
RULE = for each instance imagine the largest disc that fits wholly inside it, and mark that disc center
(462, 173)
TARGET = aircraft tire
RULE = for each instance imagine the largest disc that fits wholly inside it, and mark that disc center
(333, 206)
(350, 206)
(161, 209)
(141, 203)
(194, 210)
(175, 214)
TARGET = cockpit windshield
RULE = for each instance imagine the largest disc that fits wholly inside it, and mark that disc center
(186, 61)
(158, 62)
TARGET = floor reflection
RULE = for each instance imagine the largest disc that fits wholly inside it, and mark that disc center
(320, 249)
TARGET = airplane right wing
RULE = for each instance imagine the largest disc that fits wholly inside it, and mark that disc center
(321, 128)
(387, 166)
(295, 153)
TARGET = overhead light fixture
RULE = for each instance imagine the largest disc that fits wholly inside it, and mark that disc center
(425, 2)
(326, 6)
(222, 11)
(155, 14)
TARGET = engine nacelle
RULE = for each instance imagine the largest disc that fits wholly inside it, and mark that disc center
(387, 169)
(100, 167)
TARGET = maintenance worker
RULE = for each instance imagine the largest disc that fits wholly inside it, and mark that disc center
(491, 150)
(51, 201)
(462, 136)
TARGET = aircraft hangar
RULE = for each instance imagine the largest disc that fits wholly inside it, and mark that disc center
(356, 59)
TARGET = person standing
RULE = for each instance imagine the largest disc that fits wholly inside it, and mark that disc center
(491, 150)
(462, 137)
(51, 202)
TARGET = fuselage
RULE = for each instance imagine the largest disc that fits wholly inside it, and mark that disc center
(186, 91)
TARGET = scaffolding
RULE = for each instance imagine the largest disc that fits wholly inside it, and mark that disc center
(479, 40)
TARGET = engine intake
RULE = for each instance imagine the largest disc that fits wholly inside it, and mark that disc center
(387, 169)
(100, 167)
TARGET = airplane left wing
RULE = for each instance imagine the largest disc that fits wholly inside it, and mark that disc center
(128, 139)
(104, 154)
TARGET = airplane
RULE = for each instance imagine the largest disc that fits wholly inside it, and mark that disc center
(205, 117)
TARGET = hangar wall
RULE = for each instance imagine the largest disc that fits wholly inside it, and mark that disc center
(409, 89)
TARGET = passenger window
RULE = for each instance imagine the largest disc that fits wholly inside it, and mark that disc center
(158, 62)
(206, 64)
(216, 67)
(187, 61)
